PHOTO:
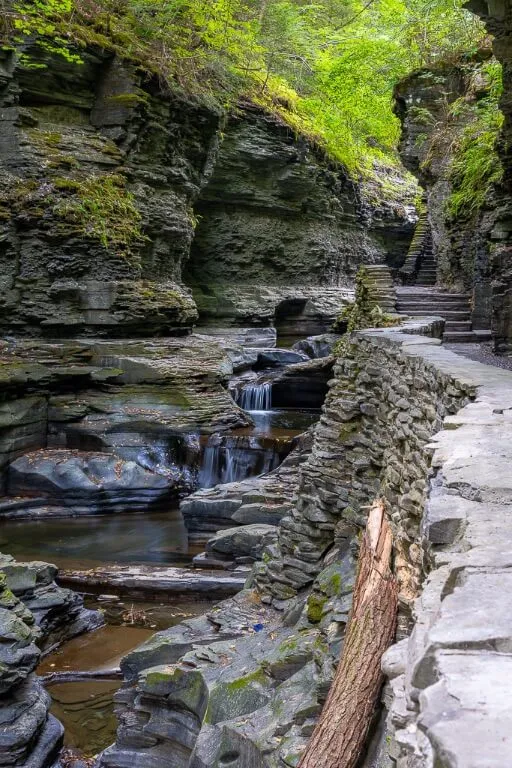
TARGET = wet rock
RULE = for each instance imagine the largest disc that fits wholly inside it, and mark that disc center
(254, 338)
(302, 385)
(246, 541)
(265, 499)
(271, 358)
(154, 582)
(35, 614)
(317, 346)
(28, 735)
(55, 614)
(96, 482)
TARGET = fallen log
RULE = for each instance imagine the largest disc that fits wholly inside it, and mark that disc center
(77, 677)
(154, 582)
(340, 735)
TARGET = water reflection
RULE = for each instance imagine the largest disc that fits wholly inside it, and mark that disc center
(88, 542)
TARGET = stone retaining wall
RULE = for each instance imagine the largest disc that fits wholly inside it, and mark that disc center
(385, 403)
(449, 493)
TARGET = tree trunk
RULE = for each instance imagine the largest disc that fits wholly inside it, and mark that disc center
(340, 735)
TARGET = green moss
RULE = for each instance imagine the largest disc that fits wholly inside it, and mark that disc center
(101, 208)
(364, 312)
(347, 430)
(315, 607)
(129, 100)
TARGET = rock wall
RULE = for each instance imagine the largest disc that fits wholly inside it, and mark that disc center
(498, 20)
(74, 140)
(35, 614)
(101, 172)
(278, 222)
(430, 131)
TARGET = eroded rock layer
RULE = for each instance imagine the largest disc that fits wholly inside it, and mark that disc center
(35, 615)
(106, 181)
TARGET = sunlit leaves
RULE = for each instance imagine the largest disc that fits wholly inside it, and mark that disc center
(327, 67)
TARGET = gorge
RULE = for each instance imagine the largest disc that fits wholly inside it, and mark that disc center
(221, 345)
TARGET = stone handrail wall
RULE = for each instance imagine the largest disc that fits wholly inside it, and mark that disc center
(385, 403)
(448, 493)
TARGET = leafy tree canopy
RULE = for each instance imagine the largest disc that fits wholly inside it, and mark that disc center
(327, 67)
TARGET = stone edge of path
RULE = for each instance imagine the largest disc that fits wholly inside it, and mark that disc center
(448, 691)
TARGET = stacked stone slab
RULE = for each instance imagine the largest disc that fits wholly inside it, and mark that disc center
(382, 289)
(381, 411)
(34, 613)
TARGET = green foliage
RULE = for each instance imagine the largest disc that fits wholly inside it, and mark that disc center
(101, 208)
(327, 68)
(476, 165)
(362, 313)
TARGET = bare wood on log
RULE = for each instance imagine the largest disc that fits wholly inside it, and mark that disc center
(341, 732)
(77, 677)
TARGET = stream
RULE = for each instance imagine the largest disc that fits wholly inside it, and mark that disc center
(86, 707)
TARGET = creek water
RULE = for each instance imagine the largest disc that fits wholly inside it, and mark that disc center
(86, 708)
(87, 542)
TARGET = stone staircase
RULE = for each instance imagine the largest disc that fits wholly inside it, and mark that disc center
(420, 265)
(455, 308)
(427, 272)
(382, 289)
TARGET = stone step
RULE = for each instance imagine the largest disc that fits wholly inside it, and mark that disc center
(458, 325)
(410, 306)
(446, 315)
(419, 294)
(459, 337)
(466, 337)
(483, 335)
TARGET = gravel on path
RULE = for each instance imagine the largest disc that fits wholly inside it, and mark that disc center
(482, 353)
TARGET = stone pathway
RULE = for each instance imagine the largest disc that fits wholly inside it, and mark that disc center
(482, 353)
(419, 301)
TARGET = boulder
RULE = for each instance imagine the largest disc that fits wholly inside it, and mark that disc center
(317, 346)
(273, 358)
(245, 541)
(87, 481)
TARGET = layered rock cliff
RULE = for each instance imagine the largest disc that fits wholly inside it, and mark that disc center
(106, 178)
(435, 107)
(498, 20)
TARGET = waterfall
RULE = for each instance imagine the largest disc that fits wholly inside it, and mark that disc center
(255, 397)
(229, 459)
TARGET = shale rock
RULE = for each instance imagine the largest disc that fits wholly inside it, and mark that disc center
(246, 542)
(317, 346)
(279, 230)
(94, 483)
(35, 614)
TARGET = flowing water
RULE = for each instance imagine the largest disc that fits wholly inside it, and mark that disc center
(255, 397)
(86, 708)
(79, 542)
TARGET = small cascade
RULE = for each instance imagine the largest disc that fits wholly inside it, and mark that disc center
(231, 458)
(255, 397)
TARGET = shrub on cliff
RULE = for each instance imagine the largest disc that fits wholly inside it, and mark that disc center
(327, 68)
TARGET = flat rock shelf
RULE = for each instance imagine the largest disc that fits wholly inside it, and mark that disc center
(155, 581)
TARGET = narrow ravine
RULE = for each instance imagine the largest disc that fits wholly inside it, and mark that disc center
(83, 674)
